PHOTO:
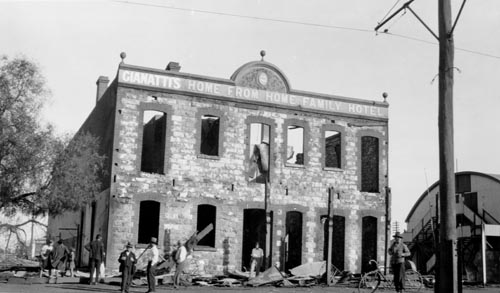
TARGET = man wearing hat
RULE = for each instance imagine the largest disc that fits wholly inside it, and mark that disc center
(96, 256)
(127, 262)
(153, 257)
(398, 251)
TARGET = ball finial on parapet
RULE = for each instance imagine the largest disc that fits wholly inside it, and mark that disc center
(385, 95)
(123, 55)
(262, 54)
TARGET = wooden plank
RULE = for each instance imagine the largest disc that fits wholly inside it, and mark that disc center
(204, 232)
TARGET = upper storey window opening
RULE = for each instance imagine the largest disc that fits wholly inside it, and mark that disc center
(295, 145)
(333, 149)
(369, 164)
(153, 141)
(209, 144)
(259, 152)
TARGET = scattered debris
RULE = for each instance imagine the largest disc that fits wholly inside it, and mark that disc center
(270, 276)
(311, 269)
(13, 263)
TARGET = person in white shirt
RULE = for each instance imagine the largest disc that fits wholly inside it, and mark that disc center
(153, 258)
(180, 259)
(256, 260)
(45, 254)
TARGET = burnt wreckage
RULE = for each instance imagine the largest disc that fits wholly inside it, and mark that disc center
(248, 155)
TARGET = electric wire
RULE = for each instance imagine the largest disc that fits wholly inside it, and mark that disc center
(246, 16)
(396, 21)
(390, 10)
(304, 23)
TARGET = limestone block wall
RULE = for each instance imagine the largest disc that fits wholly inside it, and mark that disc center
(191, 179)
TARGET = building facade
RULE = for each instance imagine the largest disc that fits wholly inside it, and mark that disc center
(478, 227)
(185, 151)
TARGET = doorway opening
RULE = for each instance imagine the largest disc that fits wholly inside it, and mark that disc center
(293, 240)
(338, 242)
(254, 230)
(149, 221)
(368, 243)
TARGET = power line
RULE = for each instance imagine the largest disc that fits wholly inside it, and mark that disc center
(385, 16)
(300, 23)
(247, 16)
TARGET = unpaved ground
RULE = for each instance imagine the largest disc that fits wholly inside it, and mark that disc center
(104, 288)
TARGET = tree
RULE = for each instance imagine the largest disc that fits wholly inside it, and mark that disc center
(76, 173)
(40, 171)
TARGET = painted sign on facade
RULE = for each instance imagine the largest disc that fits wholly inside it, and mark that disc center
(249, 94)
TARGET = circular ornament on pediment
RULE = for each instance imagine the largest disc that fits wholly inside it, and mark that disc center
(261, 75)
(263, 78)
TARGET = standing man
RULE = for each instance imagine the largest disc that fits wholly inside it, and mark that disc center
(256, 260)
(398, 251)
(96, 251)
(127, 262)
(58, 260)
(153, 257)
(180, 259)
(45, 256)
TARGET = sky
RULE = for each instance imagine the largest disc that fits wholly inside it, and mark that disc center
(323, 46)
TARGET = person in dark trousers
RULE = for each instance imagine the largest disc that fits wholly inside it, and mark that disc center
(180, 259)
(127, 262)
(256, 260)
(96, 251)
(398, 251)
(59, 257)
(153, 256)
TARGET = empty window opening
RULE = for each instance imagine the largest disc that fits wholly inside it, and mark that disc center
(206, 216)
(338, 241)
(153, 142)
(149, 221)
(293, 240)
(209, 144)
(332, 149)
(462, 183)
(470, 200)
(369, 164)
(368, 243)
(295, 145)
(259, 152)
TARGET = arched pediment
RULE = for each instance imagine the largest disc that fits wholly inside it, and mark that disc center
(261, 75)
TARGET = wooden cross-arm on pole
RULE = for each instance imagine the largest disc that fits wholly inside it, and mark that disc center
(394, 14)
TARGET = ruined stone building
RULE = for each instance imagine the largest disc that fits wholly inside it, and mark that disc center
(478, 227)
(181, 155)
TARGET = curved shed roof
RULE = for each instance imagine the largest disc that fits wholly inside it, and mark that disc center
(494, 177)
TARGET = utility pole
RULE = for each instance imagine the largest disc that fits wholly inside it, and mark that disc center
(329, 276)
(388, 199)
(448, 280)
(267, 258)
(447, 274)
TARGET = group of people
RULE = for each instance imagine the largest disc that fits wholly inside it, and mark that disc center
(128, 261)
(57, 260)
